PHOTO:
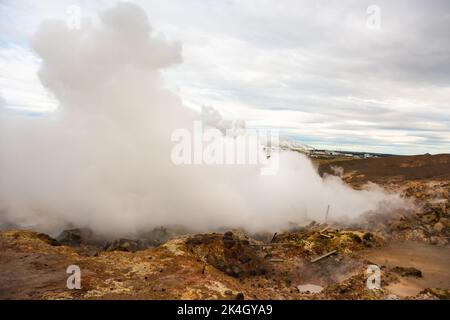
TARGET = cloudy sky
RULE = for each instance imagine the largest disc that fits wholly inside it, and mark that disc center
(347, 75)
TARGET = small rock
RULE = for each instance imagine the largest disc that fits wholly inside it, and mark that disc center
(408, 272)
(444, 221)
(399, 225)
(440, 241)
(344, 287)
(228, 240)
(235, 271)
(368, 239)
(443, 294)
(240, 296)
(356, 238)
(438, 227)
(428, 218)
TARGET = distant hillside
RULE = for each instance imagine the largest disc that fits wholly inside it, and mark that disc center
(429, 167)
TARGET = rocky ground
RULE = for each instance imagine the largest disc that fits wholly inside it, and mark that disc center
(424, 180)
(308, 261)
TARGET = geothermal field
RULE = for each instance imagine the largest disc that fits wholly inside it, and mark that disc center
(131, 189)
(308, 259)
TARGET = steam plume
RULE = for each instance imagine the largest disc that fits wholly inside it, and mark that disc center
(103, 159)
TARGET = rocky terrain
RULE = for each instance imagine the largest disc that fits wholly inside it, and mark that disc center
(309, 260)
(425, 180)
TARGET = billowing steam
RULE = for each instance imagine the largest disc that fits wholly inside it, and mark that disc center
(102, 160)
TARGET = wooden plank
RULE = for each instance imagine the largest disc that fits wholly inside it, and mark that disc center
(324, 256)
(271, 244)
(274, 236)
(325, 235)
(326, 215)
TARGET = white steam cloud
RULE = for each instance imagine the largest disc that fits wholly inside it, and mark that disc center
(102, 160)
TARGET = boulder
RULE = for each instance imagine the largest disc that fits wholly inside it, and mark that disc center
(47, 239)
(126, 245)
(160, 235)
(75, 237)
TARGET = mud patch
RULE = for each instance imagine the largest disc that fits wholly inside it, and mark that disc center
(432, 261)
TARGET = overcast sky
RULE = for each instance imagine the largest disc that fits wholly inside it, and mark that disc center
(328, 73)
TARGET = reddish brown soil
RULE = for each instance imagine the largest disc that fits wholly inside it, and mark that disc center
(394, 168)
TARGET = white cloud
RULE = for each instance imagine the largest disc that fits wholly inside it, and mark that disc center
(310, 67)
(21, 88)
